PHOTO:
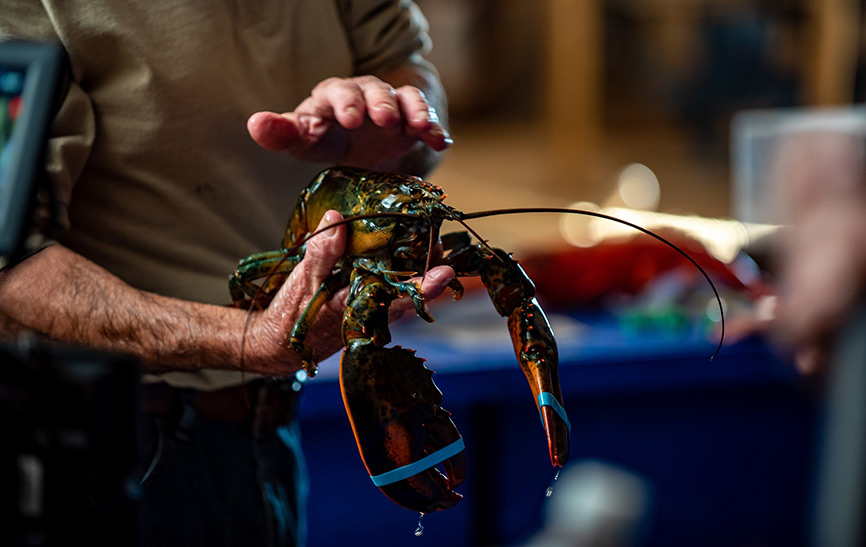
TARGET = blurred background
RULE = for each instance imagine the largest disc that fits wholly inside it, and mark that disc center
(551, 100)
(664, 113)
(673, 115)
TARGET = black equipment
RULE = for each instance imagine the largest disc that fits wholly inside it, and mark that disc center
(69, 417)
(31, 75)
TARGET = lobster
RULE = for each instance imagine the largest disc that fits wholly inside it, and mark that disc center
(393, 222)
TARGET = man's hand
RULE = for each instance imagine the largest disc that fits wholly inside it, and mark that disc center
(821, 256)
(266, 347)
(361, 121)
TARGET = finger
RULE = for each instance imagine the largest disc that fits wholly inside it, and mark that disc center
(339, 301)
(438, 138)
(436, 281)
(324, 249)
(422, 120)
(381, 101)
(433, 284)
(417, 111)
(272, 131)
(340, 99)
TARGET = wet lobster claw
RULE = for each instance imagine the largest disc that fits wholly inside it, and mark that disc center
(394, 407)
(402, 431)
(536, 351)
(513, 296)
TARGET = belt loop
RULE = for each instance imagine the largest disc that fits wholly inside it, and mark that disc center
(184, 413)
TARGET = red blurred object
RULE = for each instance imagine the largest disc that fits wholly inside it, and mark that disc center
(577, 277)
(15, 107)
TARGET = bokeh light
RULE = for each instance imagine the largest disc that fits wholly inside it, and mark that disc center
(638, 187)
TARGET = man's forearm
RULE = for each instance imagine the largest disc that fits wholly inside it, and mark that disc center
(68, 298)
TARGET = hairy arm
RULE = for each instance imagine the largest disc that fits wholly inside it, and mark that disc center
(68, 298)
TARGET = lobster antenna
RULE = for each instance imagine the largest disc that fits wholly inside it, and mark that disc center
(348, 220)
(353, 218)
(459, 219)
(561, 210)
(429, 249)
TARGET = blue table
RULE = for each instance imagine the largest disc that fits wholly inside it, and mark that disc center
(727, 445)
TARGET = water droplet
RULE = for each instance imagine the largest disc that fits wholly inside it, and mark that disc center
(420, 530)
(549, 491)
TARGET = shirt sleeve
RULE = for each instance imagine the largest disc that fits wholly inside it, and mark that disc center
(385, 34)
(69, 147)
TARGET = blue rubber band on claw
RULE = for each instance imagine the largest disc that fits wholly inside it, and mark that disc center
(423, 464)
(546, 398)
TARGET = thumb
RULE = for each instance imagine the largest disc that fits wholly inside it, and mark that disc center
(273, 131)
(324, 249)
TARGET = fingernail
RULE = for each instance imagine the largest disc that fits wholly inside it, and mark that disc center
(351, 111)
(328, 219)
(440, 134)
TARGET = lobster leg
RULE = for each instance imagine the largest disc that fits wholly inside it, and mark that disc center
(513, 296)
(273, 266)
(394, 407)
(326, 290)
(403, 288)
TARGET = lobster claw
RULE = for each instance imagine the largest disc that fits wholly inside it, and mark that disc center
(401, 429)
(513, 296)
(536, 351)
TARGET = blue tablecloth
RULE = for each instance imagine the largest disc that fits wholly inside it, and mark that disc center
(726, 444)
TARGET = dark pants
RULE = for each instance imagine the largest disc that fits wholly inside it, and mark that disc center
(219, 485)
